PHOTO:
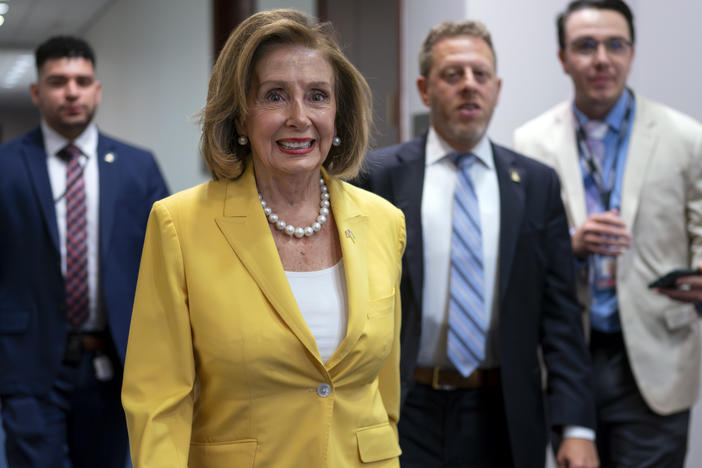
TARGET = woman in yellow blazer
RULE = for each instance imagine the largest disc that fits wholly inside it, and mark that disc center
(255, 344)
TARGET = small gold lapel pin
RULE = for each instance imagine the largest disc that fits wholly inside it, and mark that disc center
(350, 235)
(514, 175)
(110, 157)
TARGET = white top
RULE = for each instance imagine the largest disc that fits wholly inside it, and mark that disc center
(437, 218)
(322, 298)
(87, 143)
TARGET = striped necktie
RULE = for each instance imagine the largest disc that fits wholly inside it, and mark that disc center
(468, 319)
(76, 239)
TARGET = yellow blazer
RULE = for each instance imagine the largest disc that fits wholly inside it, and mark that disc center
(221, 368)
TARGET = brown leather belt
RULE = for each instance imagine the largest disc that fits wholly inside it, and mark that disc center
(449, 379)
(78, 343)
(93, 342)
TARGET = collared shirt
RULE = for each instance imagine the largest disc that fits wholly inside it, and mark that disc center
(437, 220)
(604, 309)
(87, 143)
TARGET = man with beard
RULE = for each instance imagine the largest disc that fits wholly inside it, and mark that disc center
(487, 279)
(73, 210)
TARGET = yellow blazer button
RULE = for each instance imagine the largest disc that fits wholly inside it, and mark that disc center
(324, 390)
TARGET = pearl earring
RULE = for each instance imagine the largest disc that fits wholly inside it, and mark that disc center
(336, 141)
(242, 140)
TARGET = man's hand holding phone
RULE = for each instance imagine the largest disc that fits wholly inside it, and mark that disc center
(681, 285)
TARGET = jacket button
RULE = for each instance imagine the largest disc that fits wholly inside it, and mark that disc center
(324, 390)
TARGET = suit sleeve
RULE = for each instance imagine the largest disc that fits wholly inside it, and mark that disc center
(569, 388)
(159, 373)
(389, 378)
(694, 201)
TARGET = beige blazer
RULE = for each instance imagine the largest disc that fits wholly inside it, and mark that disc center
(662, 207)
(221, 368)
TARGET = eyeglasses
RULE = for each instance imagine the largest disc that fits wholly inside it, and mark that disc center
(589, 46)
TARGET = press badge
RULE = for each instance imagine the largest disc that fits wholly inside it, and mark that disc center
(103, 368)
(605, 271)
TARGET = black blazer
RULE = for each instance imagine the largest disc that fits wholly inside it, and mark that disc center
(536, 292)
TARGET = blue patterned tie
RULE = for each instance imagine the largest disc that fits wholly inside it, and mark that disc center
(468, 319)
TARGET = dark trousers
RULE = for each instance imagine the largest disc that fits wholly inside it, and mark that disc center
(454, 428)
(629, 434)
(79, 424)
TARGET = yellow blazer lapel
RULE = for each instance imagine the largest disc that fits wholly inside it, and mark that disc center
(641, 148)
(246, 229)
(352, 227)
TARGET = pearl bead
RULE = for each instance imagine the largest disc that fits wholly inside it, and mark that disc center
(300, 232)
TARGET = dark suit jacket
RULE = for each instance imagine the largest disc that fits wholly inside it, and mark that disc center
(536, 293)
(33, 323)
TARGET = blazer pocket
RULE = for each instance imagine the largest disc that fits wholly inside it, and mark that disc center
(239, 454)
(382, 306)
(14, 320)
(679, 317)
(377, 443)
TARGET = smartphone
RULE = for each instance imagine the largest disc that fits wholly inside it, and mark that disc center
(667, 281)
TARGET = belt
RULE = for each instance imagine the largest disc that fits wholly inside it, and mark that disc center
(449, 379)
(78, 343)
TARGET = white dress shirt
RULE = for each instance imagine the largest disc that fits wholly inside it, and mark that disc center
(437, 220)
(87, 143)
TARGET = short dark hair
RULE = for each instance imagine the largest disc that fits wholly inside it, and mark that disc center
(63, 47)
(616, 5)
(451, 29)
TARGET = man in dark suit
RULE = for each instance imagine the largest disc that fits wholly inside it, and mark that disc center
(488, 280)
(73, 210)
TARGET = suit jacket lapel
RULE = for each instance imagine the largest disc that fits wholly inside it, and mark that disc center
(408, 183)
(352, 228)
(246, 229)
(511, 211)
(35, 159)
(109, 164)
(641, 148)
(568, 165)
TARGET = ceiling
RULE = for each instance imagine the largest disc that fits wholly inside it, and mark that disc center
(28, 23)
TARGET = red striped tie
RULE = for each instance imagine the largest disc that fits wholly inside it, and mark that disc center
(76, 239)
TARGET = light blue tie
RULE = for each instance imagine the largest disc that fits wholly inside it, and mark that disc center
(468, 319)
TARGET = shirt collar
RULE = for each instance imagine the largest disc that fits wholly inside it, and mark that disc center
(54, 142)
(615, 117)
(437, 149)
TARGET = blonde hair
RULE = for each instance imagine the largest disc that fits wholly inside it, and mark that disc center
(231, 81)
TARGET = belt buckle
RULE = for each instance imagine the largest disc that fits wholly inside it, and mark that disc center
(435, 381)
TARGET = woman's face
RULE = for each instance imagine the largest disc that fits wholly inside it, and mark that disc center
(290, 123)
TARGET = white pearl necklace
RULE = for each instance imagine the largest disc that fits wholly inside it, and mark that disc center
(299, 232)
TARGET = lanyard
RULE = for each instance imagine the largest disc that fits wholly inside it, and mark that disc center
(593, 166)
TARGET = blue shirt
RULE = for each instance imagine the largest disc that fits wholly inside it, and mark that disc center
(603, 308)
